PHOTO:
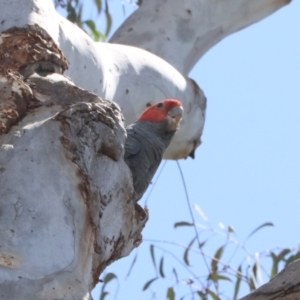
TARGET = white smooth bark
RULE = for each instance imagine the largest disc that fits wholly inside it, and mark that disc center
(181, 32)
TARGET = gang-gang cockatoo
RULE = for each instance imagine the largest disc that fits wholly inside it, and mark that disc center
(147, 140)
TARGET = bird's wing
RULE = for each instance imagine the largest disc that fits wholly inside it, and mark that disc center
(132, 145)
(138, 160)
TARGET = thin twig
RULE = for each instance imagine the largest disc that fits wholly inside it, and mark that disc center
(234, 271)
(194, 222)
(154, 184)
(179, 261)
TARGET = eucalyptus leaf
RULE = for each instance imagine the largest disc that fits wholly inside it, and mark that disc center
(171, 294)
(148, 283)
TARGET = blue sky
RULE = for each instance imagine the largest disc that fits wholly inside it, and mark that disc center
(247, 170)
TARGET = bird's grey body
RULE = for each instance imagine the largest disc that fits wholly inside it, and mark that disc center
(144, 148)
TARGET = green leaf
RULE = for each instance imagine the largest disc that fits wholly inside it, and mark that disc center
(108, 19)
(99, 5)
(277, 259)
(78, 19)
(274, 269)
(186, 252)
(202, 244)
(153, 256)
(254, 269)
(175, 273)
(283, 253)
(230, 229)
(253, 281)
(183, 223)
(90, 24)
(103, 295)
(109, 277)
(238, 283)
(131, 266)
(161, 266)
(100, 36)
(202, 295)
(148, 283)
(213, 295)
(72, 15)
(97, 35)
(215, 260)
(171, 294)
(267, 224)
(215, 277)
(94, 32)
(292, 258)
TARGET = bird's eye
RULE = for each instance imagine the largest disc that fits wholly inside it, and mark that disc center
(160, 105)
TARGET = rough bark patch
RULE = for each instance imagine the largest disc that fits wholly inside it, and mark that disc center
(24, 50)
(15, 95)
(22, 46)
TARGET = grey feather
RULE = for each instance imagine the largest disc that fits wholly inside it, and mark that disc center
(144, 148)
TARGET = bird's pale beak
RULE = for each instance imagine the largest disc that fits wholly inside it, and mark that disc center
(174, 117)
(176, 112)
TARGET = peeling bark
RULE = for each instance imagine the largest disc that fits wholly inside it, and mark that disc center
(15, 95)
(62, 178)
(25, 51)
(285, 285)
(23, 46)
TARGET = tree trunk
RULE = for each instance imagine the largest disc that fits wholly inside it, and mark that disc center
(62, 179)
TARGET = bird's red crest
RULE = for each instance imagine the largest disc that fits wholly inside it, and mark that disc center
(159, 111)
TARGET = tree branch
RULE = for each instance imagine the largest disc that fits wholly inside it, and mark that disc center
(181, 32)
(285, 285)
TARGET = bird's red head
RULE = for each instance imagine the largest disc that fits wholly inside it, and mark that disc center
(169, 110)
(159, 112)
